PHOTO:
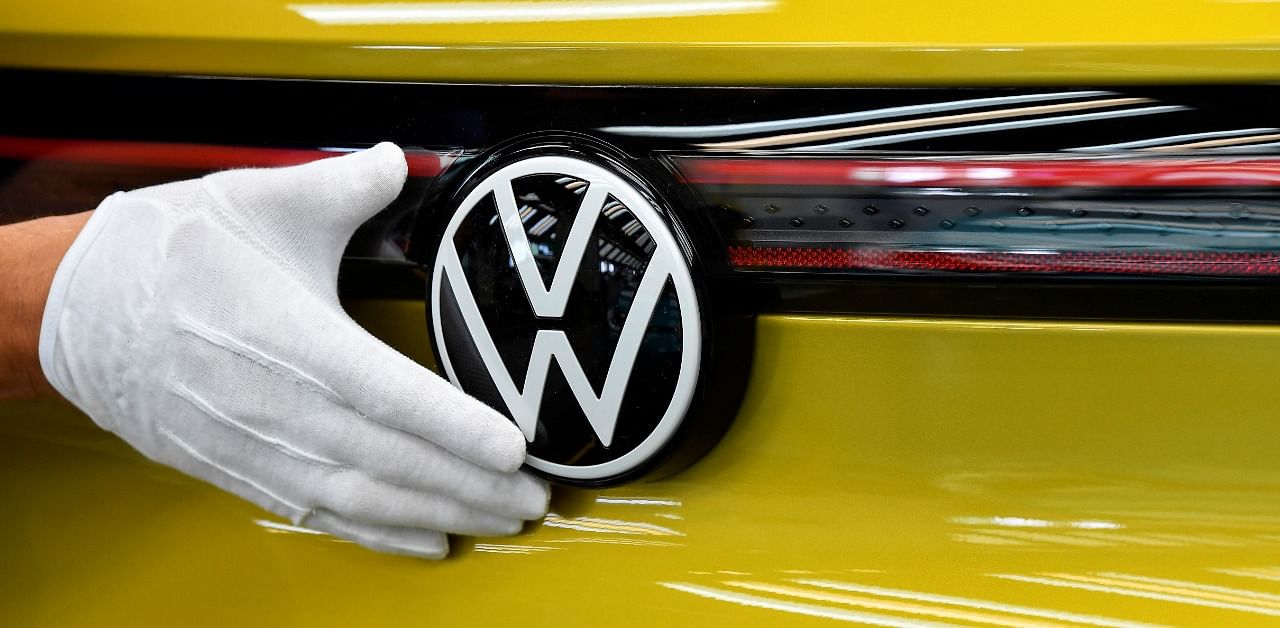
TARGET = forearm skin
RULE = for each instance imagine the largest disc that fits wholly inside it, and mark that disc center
(29, 255)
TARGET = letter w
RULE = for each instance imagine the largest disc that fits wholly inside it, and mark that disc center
(601, 410)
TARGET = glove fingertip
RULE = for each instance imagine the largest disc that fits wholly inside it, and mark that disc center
(540, 504)
(384, 170)
(485, 436)
(433, 549)
(391, 163)
(435, 553)
(505, 450)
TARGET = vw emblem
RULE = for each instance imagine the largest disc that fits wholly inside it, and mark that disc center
(561, 297)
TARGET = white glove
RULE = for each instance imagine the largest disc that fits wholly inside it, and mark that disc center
(199, 321)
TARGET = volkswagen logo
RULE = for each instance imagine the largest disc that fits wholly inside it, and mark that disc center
(562, 297)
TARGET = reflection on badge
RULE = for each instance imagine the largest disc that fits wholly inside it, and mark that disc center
(560, 297)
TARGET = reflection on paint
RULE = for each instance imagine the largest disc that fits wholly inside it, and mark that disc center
(1172, 139)
(614, 541)
(520, 11)
(602, 531)
(276, 527)
(1233, 141)
(1031, 522)
(513, 548)
(985, 605)
(881, 606)
(898, 138)
(1182, 586)
(608, 526)
(638, 501)
(1271, 574)
(789, 124)
(1047, 537)
(1173, 591)
(810, 137)
(815, 133)
(811, 610)
(1107, 538)
(1265, 147)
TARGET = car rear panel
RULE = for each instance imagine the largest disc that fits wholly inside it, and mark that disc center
(984, 449)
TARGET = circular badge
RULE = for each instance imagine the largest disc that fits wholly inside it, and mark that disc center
(561, 297)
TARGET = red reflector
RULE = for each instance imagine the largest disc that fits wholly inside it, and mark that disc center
(1241, 263)
(194, 156)
(982, 174)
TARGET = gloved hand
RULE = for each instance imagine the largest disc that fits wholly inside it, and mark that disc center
(200, 322)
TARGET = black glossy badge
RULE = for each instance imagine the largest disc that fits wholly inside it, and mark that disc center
(565, 294)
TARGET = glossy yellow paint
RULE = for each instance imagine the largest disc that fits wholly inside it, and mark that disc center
(990, 472)
(655, 41)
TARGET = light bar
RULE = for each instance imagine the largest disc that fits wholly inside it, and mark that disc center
(47, 176)
(983, 174)
(193, 156)
(1226, 264)
(1162, 216)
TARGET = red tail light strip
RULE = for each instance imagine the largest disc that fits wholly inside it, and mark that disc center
(983, 174)
(194, 156)
(1242, 263)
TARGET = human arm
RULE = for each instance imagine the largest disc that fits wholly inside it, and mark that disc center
(29, 255)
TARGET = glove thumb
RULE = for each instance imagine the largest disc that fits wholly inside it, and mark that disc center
(338, 191)
(308, 213)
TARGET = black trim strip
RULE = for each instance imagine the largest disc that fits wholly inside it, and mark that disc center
(474, 118)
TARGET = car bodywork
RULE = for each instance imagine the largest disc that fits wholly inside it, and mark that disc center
(1096, 457)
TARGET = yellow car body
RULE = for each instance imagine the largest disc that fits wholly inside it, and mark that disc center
(887, 470)
(778, 42)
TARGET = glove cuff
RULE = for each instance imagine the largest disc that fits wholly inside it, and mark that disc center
(62, 279)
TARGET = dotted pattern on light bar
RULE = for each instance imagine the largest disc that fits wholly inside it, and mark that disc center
(1204, 263)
